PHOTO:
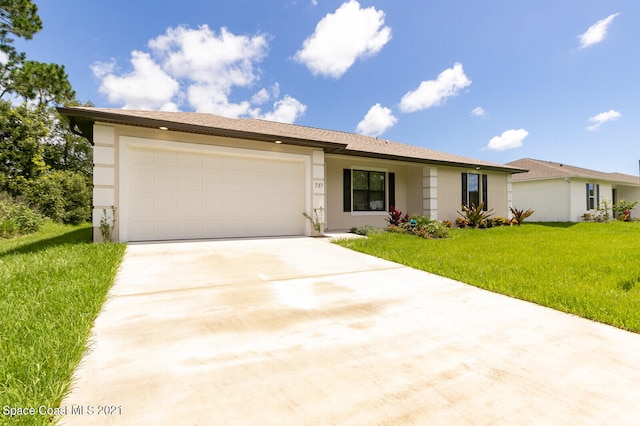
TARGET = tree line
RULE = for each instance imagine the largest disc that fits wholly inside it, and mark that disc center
(43, 165)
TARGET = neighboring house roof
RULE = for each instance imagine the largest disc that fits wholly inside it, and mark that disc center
(541, 170)
(82, 119)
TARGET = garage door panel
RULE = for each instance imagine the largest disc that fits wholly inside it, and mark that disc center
(166, 181)
(189, 160)
(165, 207)
(176, 194)
(165, 158)
(189, 207)
(190, 181)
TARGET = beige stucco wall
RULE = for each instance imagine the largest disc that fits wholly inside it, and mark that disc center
(450, 192)
(107, 171)
(420, 189)
(408, 190)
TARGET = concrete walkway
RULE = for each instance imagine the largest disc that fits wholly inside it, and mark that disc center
(301, 331)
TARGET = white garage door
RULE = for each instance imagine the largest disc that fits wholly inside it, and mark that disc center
(174, 194)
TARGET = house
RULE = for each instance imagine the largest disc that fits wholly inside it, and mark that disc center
(563, 193)
(184, 175)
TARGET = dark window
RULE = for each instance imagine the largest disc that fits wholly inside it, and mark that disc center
(474, 189)
(593, 196)
(368, 191)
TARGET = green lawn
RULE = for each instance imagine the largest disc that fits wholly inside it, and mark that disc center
(52, 285)
(588, 269)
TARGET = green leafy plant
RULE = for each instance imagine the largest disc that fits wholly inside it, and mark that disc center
(365, 230)
(461, 222)
(500, 221)
(17, 218)
(520, 215)
(474, 215)
(317, 220)
(106, 225)
(623, 209)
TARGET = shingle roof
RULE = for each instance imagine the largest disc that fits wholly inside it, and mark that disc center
(332, 141)
(539, 170)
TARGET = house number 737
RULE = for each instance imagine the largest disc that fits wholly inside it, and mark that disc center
(319, 185)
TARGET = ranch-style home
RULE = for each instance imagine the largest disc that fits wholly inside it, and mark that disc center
(184, 175)
(563, 193)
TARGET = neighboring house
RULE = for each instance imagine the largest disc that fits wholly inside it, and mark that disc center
(563, 193)
(182, 175)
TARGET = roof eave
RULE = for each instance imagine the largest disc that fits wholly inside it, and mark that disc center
(477, 166)
(84, 120)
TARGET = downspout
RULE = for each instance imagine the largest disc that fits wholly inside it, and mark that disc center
(569, 213)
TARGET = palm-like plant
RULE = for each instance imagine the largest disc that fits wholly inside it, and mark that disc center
(474, 216)
(520, 215)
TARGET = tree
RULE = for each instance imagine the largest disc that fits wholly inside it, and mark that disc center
(20, 18)
(21, 131)
(40, 82)
(30, 80)
(63, 150)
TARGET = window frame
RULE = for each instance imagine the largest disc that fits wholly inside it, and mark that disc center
(369, 191)
(593, 196)
(482, 189)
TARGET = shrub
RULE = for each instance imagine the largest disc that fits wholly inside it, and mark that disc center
(396, 218)
(475, 215)
(17, 218)
(365, 230)
(461, 222)
(63, 196)
(395, 229)
(433, 229)
(520, 215)
(500, 221)
(623, 209)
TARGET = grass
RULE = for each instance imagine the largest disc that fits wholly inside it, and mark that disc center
(52, 286)
(587, 269)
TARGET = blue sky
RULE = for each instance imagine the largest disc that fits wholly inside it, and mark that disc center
(498, 80)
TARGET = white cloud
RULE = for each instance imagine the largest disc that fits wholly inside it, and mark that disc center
(434, 92)
(597, 32)
(478, 112)
(602, 118)
(146, 87)
(509, 139)
(197, 68)
(4, 58)
(285, 110)
(377, 121)
(260, 97)
(342, 37)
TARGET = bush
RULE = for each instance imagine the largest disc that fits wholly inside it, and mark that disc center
(623, 209)
(63, 196)
(421, 226)
(17, 218)
(365, 230)
(433, 229)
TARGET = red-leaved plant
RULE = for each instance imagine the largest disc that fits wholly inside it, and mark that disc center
(396, 218)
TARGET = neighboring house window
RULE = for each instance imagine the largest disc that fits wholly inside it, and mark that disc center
(474, 190)
(593, 196)
(366, 190)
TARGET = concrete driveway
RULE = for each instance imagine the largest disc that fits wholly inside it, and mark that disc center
(301, 331)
